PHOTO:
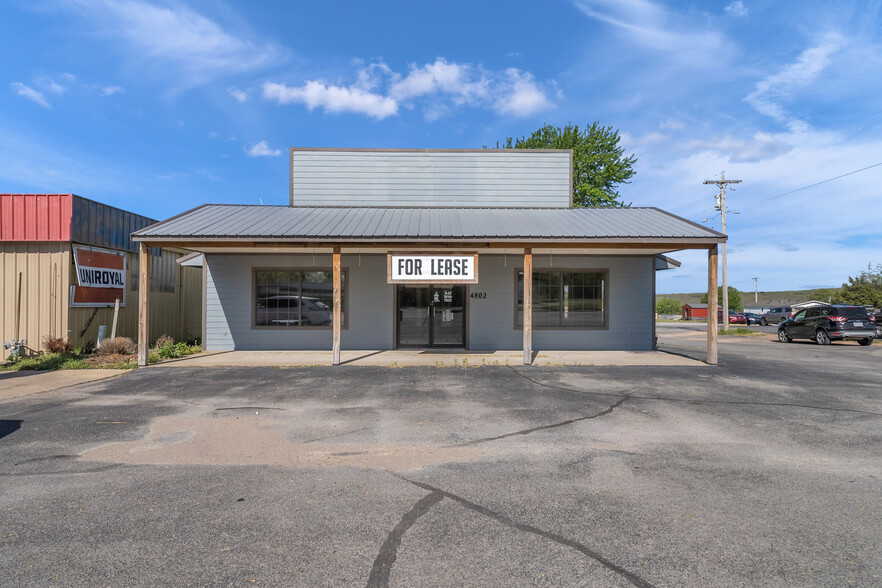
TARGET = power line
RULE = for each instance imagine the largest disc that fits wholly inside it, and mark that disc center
(822, 182)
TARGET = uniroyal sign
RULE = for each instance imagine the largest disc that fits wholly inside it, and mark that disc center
(101, 274)
(432, 268)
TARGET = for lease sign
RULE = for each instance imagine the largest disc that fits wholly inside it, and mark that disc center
(101, 275)
(427, 268)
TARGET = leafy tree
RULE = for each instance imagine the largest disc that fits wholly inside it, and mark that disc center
(734, 299)
(599, 163)
(864, 289)
(668, 306)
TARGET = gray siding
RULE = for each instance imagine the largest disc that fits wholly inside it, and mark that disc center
(371, 304)
(631, 311)
(229, 301)
(431, 178)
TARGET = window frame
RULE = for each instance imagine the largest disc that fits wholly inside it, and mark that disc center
(566, 270)
(344, 300)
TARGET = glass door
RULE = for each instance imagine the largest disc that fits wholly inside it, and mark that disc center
(431, 316)
(414, 314)
(448, 316)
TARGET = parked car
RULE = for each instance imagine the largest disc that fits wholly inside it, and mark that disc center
(834, 322)
(292, 311)
(735, 318)
(776, 315)
(878, 318)
(752, 318)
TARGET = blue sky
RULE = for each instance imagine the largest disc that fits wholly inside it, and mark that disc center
(159, 106)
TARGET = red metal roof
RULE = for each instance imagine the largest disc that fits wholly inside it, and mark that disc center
(35, 217)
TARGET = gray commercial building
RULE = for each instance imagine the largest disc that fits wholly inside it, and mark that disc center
(473, 249)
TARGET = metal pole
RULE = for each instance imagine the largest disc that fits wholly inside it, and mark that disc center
(755, 291)
(725, 286)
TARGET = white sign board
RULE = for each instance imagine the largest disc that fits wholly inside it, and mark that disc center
(428, 268)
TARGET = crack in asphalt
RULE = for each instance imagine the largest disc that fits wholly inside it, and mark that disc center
(437, 494)
(692, 400)
(544, 427)
(379, 577)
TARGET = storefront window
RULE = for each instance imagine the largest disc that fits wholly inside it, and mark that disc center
(295, 298)
(565, 299)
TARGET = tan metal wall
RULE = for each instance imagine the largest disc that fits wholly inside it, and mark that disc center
(175, 303)
(44, 291)
(47, 271)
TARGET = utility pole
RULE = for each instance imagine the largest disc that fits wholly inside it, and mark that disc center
(755, 291)
(721, 206)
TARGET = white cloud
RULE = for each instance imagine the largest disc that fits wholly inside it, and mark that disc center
(647, 24)
(239, 95)
(673, 125)
(440, 77)
(439, 87)
(111, 90)
(331, 98)
(51, 85)
(30, 94)
(262, 149)
(760, 147)
(736, 9)
(175, 40)
(523, 97)
(776, 88)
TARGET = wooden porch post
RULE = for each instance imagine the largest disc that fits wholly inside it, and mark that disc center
(337, 307)
(528, 306)
(712, 305)
(143, 304)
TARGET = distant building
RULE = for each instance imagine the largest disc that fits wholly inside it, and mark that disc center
(65, 260)
(694, 311)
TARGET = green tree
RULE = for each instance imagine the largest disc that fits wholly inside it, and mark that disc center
(668, 306)
(864, 289)
(599, 162)
(734, 299)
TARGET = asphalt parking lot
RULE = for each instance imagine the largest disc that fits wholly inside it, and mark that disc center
(762, 471)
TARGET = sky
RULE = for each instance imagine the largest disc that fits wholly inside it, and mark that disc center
(158, 106)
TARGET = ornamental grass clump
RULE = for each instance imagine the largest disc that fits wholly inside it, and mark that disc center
(56, 345)
(116, 346)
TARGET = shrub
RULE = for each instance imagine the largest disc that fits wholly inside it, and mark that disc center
(668, 306)
(163, 341)
(117, 345)
(56, 345)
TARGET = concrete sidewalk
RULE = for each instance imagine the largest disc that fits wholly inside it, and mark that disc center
(426, 357)
(27, 382)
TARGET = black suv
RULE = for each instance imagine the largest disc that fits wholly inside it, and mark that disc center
(823, 324)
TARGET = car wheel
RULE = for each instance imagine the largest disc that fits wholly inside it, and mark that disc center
(783, 337)
(867, 341)
(822, 337)
(764, 322)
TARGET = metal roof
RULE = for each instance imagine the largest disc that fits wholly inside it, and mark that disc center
(359, 224)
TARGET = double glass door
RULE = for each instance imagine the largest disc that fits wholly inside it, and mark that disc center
(431, 316)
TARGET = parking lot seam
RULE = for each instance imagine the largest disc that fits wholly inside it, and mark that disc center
(508, 522)
(544, 427)
(379, 577)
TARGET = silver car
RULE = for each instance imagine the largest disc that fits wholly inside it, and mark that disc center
(775, 315)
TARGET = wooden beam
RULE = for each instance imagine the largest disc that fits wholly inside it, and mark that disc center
(337, 306)
(528, 306)
(144, 304)
(712, 305)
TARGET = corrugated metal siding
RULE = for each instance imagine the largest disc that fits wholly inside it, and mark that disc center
(431, 178)
(35, 217)
(173, 311)
(359, 224)
(44, 291)
(94, 223)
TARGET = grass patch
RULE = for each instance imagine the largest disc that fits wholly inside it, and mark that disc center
(78, 360)
(70, 361)
(742, 332)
